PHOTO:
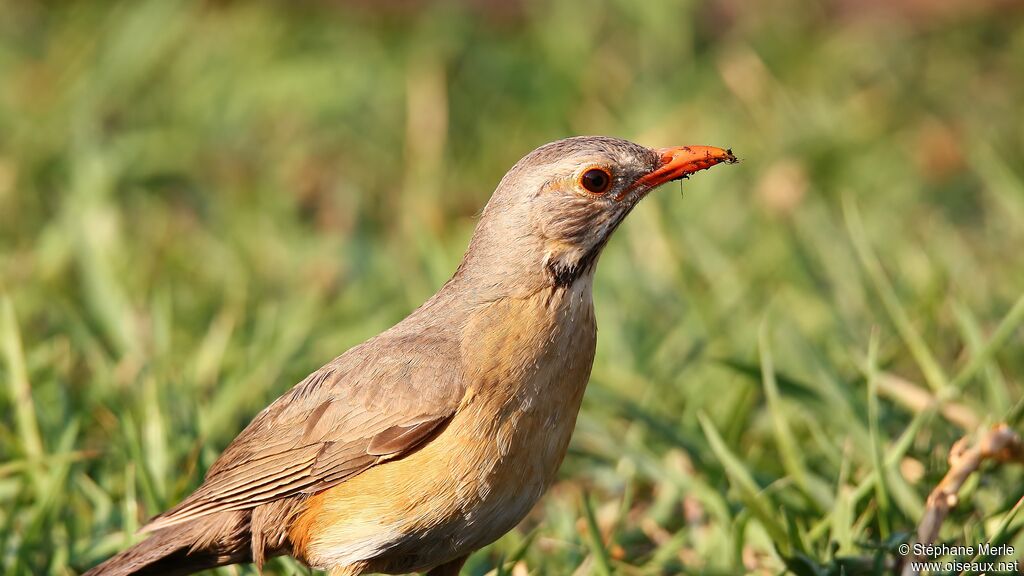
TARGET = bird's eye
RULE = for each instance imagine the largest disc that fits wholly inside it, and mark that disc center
(596, 180)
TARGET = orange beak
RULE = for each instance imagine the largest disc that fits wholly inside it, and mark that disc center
(681, 161)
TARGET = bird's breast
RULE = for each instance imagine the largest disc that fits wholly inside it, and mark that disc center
(527, 361)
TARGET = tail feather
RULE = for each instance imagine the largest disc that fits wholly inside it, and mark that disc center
(184, 549)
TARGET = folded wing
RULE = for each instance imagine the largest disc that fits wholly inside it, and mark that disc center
(376, 402)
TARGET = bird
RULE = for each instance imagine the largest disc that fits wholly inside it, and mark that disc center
(429, 441)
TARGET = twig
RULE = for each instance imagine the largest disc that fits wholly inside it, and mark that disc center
(917, 398)
(1000, 444)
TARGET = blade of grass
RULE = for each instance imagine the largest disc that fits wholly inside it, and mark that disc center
(997, 537)
(979, 359)
(133, 436)
(933, 373)
(878, 461)
(748, 489)
(892, 458)
(153, 438)
(792, 461)
(998, 395)
(17, 466)
(843, 511)
(18, 383)
(131, 505)
(600, 552)
(499, 566)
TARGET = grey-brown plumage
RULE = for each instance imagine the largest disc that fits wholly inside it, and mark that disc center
(421, 445)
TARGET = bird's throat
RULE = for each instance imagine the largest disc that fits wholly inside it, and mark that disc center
(564, 270)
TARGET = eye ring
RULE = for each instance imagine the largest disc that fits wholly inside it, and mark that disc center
(596, 180)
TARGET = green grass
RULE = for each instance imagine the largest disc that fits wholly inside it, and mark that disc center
(201, 203)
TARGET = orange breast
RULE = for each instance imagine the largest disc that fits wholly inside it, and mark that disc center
(529, 361)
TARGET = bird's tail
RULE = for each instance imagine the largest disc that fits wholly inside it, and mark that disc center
(182, 549)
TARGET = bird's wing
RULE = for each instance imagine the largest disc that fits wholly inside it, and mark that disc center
(374, 403)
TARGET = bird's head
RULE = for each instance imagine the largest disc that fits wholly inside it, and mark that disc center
(556, 208)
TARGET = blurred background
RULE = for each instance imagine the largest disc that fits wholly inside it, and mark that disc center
(202, 202)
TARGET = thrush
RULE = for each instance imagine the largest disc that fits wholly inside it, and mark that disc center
(414, 449)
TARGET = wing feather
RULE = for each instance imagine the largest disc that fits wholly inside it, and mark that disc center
(373, 403)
